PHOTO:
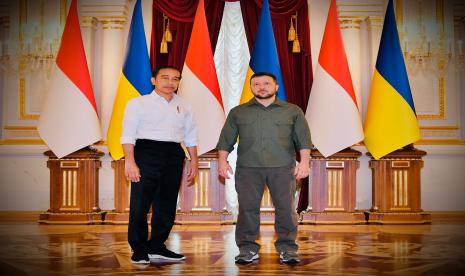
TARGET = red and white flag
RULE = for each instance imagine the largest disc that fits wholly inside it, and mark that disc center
(199, 85)
(332, 113)
(69, 119)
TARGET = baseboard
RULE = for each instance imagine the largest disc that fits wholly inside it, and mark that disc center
(447, 216)
(33, 216)
(20, 216)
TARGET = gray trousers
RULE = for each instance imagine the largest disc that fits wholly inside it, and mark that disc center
(250, 184)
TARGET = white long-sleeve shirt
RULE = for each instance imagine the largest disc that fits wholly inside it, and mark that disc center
(153, 117)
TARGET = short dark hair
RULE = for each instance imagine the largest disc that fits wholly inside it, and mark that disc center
(158, 69)
(261, 74)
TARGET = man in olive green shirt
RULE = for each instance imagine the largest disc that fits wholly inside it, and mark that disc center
(269, 131)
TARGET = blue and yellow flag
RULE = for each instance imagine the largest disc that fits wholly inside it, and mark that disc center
(264, 56)
(134, 80)
(390, 121)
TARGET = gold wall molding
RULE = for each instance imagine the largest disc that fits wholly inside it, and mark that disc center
(113, 21)
(89, 22)
(23, 115)
(113, 28)
(113, 24)
(22, 142)
(440, 127)
(399, 9)
(63, 12)
(440, 142)
(441, 104)
(374, 22)
(353, 23)
(10, 127)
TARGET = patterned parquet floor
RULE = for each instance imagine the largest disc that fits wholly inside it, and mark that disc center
(438, 249)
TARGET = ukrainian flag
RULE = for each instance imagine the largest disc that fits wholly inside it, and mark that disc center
(264, 56)
(134, 80)
(390, 121)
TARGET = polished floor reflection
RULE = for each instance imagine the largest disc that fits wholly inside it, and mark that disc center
(438, 249)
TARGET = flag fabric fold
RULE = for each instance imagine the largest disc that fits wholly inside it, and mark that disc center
(264, 56)
(134, 80)
(390, 120)
(69, 120)
(332, 112)
(199, 85)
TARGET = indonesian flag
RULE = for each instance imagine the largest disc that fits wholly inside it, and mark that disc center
(69, 119)
(332, 111)
(199, 85)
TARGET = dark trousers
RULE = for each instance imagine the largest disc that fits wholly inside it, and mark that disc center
(250, 184)
(161, 165)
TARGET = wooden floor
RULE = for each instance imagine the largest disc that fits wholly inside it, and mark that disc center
(438, 249)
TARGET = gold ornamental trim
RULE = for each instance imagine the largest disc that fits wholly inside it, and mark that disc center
(113, 21)
(442, 104)
(9, 127)
(69, 164)
(334, 209)
(335, 164)
(399, 7)
(439, 127)
(63, 4)
(401, 209)
(440, 142)
(89, 22)
(22, 142)
(400, 164)
(202, 209)
(23, 115)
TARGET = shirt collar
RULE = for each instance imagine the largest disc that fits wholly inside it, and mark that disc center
(159, 98)
(277, 101)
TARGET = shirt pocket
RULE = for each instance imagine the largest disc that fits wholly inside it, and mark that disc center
(246, 127)
(179, 121)
(283, 127)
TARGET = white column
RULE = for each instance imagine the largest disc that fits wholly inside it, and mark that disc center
(374, 26)
(112, 55)
(106, 44)
(350, 30)
(88, 30)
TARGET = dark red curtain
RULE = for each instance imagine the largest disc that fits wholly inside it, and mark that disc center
(181, 15)
(296, 68)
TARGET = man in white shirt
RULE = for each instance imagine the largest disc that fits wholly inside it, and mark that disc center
(154, 125)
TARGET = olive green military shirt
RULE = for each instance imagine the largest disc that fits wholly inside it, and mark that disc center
(268, 136)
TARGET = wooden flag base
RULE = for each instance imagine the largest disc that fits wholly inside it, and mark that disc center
(333, 217)
(74, 188)
(71, 218)
(399, 218)
(332, 194)
(397, 188)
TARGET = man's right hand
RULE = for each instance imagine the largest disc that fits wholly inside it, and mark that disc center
(131, 171)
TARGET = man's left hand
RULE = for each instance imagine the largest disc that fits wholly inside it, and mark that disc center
(302, 170)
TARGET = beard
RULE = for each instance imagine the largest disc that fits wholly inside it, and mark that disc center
(263, 97)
